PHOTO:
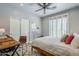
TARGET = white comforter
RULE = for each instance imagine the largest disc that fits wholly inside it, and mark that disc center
(53, 46)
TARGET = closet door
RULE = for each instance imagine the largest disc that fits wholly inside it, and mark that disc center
(25, 28)
(15, 28)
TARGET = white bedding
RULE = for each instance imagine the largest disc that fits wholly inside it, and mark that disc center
(53, 46)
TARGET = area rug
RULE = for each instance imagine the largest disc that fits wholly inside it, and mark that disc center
(27, 51)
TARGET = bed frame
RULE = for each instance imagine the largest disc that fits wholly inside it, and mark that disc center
(44, 53)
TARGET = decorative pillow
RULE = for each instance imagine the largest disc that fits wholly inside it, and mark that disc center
(69, 39)
(75, 41)
(63, 38)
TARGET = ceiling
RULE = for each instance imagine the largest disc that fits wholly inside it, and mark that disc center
(30, 8)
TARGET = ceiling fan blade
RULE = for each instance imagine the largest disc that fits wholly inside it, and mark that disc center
(40, 5)
(39, 9)
(51, 8)
(48, 4)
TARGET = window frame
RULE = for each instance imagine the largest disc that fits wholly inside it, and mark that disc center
(59, 16)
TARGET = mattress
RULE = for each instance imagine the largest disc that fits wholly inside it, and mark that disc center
(54, 46)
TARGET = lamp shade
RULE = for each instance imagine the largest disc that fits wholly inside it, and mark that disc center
(2, 31)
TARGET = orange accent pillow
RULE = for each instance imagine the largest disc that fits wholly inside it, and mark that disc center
(69, 39)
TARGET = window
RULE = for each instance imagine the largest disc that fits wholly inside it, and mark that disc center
(58, 26)
(33, 26)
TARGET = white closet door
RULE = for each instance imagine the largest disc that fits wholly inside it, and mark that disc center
(15, 28)
(25, 28)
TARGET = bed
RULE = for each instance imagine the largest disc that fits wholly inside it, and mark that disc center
(50, 46)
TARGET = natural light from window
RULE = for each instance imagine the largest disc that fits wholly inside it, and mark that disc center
(58, 26)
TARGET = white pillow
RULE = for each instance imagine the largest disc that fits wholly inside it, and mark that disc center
(75, 41)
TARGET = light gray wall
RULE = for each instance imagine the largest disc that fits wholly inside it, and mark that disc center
(73, 21)
(45, 26)
(5, 23)
(5, 14)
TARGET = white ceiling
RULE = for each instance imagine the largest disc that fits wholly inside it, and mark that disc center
(30, 8)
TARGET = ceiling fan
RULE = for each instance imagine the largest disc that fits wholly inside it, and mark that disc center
(45, 6)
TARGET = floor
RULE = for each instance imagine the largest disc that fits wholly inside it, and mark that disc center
(26, 51)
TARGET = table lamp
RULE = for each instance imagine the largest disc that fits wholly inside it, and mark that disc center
(2, 31)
